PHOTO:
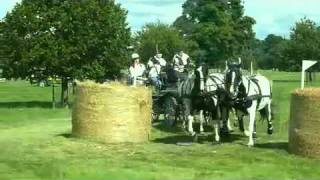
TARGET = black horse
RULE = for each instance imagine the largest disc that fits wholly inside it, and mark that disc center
(192, 95)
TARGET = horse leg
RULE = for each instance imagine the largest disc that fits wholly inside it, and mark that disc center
(224, 117)
(190, 118)
(185, 113)
(252, 114)
(190, 125)
(216, 125)
(270, 125)
(184, 122)
(230, 129)
(201, 121)
(254, 135)
(240, 122)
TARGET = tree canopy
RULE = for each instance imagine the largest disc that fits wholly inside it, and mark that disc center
(218, 27)
(84, 39)
(77, 39)
(304, 44)
(158, 35)
(271, 52)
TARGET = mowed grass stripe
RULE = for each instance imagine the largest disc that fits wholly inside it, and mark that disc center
(36, 144)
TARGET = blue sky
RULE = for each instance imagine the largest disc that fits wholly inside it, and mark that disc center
(272, 16)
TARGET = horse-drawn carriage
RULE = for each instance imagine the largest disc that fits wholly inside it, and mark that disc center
(166, 101)
(214, 94)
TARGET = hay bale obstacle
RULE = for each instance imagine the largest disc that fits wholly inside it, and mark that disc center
(112, 113)
(304, 128)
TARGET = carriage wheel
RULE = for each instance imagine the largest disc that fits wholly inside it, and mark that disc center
(170, 107)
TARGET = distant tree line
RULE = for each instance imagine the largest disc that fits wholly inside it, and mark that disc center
(276, 52)
(90, 39)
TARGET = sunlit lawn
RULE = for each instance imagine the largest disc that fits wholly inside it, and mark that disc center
(35, 143)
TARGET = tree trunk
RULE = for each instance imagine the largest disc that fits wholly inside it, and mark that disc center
(64, 92)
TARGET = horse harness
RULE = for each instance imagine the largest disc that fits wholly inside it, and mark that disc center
(244, 100)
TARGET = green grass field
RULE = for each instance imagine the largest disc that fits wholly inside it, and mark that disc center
(35, 143)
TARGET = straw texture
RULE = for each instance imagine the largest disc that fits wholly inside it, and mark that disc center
(304, 128)
(112, 113)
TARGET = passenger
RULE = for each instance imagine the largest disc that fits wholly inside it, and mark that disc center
(181, 62)
(137, 71)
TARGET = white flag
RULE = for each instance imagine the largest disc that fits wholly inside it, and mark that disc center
(307, 64)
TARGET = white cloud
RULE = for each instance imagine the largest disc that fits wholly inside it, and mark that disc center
(145, 11)
(272, 16)
(278, 16)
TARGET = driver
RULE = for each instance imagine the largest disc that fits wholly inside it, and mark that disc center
(155, 65)
(180, 62)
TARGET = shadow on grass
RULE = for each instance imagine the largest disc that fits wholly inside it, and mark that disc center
(230, 138)
(174, 139)
(30, 104)
(201, 139)
(160, 125)
(273, 145)
(65, 135)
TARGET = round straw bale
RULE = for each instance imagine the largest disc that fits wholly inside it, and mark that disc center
(112, 113)
(304, 136)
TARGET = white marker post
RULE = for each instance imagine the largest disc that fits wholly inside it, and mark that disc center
(306, 64)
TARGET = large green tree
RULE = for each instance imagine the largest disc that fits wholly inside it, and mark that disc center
(218, 27)
(271, 52)
(158, 35)
(304, 44)
(84, 39)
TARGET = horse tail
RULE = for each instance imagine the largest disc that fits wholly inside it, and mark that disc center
(264, 113)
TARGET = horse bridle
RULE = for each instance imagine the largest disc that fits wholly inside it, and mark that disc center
(237, 83)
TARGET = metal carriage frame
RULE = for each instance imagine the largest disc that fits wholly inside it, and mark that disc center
(166, 102)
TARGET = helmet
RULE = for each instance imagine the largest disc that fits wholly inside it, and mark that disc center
(135, 56)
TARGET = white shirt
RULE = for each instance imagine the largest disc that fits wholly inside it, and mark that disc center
(179, 66)
(155, 69)
(137, 70)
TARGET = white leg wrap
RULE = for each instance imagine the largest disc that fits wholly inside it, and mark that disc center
(190, 125)
(201, 121)
(216, 130)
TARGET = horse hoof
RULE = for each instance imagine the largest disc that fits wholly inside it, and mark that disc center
(250, 145)
(217, 139)
(270, 131)
(192, 133)
(246, 133)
